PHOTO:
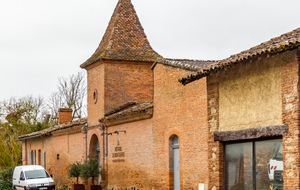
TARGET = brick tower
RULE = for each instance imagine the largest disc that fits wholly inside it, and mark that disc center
(120, 69)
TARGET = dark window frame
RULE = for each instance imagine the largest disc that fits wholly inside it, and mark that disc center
(253, 157)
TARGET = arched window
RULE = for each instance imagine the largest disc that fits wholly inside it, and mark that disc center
(174, 162)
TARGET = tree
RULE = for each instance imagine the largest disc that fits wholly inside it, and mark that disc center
(74, 170)
(90, 168)
(19, 116)
(71, 93)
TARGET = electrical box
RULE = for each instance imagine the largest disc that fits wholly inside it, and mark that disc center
(203, 186)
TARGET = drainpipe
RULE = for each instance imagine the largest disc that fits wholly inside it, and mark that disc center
(105, 151)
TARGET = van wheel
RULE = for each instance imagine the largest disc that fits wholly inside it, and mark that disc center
(15, 188)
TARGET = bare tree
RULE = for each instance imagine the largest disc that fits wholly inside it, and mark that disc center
(71, 94)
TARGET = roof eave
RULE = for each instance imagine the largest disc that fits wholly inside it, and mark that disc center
(221, 66)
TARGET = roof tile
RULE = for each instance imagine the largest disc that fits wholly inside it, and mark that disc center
(124, 38)
(285, 42)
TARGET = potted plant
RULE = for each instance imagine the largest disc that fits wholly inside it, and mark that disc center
(74, 171)
(90, 169)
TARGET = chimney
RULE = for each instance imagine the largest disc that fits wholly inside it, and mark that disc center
(64, 115)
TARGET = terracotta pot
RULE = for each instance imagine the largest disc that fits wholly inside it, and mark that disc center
(77, 187)
(93, 187)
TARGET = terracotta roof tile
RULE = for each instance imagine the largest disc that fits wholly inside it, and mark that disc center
(285, 42)
(124, 38)
(48, 131)
(131, 110)
(187, 64)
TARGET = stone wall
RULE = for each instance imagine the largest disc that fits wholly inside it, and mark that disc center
(290, 117)
(215, 148)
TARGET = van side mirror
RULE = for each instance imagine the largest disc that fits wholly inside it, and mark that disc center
(51, 175)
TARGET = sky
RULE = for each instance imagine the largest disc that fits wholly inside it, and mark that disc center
(42, 40)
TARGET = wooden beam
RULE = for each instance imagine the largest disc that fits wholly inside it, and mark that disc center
(254, 133)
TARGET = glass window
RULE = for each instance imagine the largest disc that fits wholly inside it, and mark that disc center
(22, 176)
(35, 174)
(254, 165)
(239, 162)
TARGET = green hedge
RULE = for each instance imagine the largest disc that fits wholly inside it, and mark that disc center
(5, 185)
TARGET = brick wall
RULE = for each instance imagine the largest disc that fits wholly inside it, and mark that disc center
(179, 110)
(117, 82)
(70, 147)
(288, 62)
(95, 81)
(130, 155)
(127, 81)
(290, 116)
(215, 148)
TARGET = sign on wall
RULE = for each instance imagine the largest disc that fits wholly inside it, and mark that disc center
(118, 154)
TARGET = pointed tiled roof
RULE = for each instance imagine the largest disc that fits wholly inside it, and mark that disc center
(124, 38)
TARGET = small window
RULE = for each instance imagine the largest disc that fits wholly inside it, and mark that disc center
(22, 177)
(95, 96)
(57, 156)
(30, 157)
(44, 159)
(39, 157)
(34, 157)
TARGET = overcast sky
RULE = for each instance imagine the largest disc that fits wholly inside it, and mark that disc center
(41, 40)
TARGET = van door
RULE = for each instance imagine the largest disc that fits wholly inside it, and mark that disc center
(22, 181)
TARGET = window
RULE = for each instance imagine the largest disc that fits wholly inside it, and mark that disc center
(44, 159)
(32, 156)
(254, 165)
(22, 176)
(36, 174)
(39, 157)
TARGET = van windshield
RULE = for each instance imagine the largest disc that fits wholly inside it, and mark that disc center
(35, 174)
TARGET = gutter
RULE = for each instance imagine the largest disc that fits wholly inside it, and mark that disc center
(30, 137)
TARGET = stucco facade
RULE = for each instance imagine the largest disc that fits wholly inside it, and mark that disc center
(250, 95)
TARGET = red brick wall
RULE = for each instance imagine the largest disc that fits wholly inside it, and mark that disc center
(95, 81)
(179, 110)
(290, 114)
(64, 115)
(127, 81)
(130, 155)
(69, 145)
(117, 82)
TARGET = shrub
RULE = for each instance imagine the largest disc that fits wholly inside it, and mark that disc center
(5, 184)
(74, 170)
(89, 169)
(6, 178)
(64, 188)
(6, 174)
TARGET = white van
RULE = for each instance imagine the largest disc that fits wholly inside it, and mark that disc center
(33, 177)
